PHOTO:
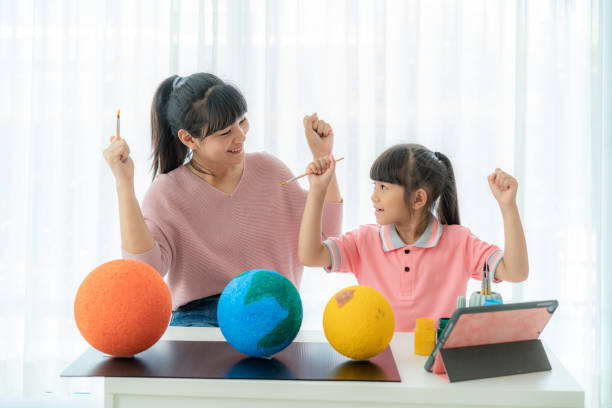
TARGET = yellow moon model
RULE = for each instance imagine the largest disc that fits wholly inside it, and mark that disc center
(358, 322)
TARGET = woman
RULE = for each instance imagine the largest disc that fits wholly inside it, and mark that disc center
(213, 211)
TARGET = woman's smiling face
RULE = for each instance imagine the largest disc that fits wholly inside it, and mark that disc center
(225, 146)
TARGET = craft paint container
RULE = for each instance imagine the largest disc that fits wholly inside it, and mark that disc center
(424, 336)
(478, 299)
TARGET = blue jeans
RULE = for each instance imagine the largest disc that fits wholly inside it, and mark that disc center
(197, 313)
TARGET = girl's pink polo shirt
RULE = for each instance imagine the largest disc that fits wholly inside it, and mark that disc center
(419, 280)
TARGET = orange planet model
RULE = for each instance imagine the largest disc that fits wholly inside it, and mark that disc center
(122, 307)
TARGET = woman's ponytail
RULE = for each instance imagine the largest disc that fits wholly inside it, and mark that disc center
(168, 151)
(448, 206)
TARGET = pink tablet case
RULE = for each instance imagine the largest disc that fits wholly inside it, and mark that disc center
(492, 344)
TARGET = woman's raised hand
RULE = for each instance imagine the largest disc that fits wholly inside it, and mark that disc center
(117, 155)
(319, 135)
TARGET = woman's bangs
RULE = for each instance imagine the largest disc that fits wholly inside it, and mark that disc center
(225, 105)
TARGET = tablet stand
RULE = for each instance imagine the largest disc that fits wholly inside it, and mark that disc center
(492, 360)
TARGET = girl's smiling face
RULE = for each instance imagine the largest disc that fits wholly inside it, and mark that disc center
(389, 204)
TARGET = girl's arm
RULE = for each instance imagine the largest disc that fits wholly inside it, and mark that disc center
(311, 251)
(135, 235)
(514, 266)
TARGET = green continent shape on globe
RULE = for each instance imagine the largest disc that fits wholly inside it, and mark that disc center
(261, 286)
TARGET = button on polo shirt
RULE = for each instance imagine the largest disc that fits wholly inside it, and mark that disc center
(422, 279)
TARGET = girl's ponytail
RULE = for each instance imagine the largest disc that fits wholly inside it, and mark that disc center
(448, 206)
(168, 151)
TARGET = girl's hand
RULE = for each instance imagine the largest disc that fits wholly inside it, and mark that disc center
(321, 172)
(117, 155)
(504, 187)
(319, 135)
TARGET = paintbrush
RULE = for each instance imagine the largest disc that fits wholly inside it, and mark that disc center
(118, 121)
(291, 180)
(489, 279)
(483, 283)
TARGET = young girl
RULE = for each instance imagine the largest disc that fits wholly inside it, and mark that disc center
(420, 261)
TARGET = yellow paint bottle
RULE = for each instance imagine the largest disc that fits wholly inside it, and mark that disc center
(424, 336)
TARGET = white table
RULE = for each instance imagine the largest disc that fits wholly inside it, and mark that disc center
(556, 388)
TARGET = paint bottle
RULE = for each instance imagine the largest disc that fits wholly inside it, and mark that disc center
(424, 336)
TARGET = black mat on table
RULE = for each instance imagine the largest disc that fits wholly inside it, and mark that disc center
(218, 360)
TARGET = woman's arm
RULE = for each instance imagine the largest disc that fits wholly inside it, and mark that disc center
(311, 251)
(320, 138)
(514, 266)
(333, 191)
(135, 235)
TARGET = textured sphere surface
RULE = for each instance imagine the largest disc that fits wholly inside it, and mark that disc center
(259, 312)
(122, 307)
(358, 322)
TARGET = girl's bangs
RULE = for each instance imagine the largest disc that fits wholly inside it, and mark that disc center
(390, 165)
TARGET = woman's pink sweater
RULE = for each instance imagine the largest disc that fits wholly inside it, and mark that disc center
(205, 237)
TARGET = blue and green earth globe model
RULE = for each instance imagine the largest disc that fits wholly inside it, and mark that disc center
(259, 312)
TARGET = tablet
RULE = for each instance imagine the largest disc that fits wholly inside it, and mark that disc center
(495, 324)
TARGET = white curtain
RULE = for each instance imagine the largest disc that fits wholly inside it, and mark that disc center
(525, 86)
